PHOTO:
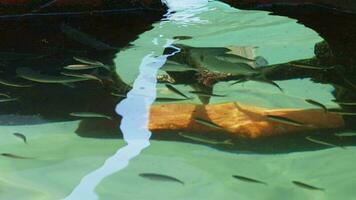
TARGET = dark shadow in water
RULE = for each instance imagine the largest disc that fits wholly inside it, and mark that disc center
(39, 43)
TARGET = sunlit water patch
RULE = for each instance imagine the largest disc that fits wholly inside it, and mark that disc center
(63, 158)
(135, 108)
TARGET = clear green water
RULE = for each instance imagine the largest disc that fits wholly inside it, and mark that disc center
(62, 158)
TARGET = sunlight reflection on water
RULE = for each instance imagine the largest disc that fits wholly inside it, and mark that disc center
(135, 108)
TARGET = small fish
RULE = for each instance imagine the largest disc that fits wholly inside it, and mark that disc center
(175, 90)
(343, 113)
(345, 103)
(14, 156)
(8, 100)
(322, 142)
(88, 61)
(264, 80)
(307, 186)
(89, 115)
(29, 74)
(12, 84)
(183, 37)
(92, 63)
(250, 180)
(85, 76)
(234, 58)
(5, 95)
(310, 67)
(171, 66)
(201, 93)
(81, 67)
(207, 123)
(208, 141)
(311, 101)
(23, 137)
(349, 134)
(118, 95)
(168, 99)
(84, 38)
(284, 120)
(258, 79)
(160, 177)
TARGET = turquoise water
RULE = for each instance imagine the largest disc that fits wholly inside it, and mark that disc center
(62, 158)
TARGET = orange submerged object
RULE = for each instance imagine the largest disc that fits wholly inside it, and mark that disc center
(238, 119)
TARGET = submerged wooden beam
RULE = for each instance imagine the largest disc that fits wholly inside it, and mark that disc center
(239, 120)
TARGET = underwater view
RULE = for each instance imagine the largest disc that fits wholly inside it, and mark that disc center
(177, 99)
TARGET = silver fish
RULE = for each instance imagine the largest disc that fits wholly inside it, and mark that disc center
(12, 84)
(22, 136)
(89, 115)
(175, 90)
(306, 186)
(349, 134)
(208, 141)
(250, 180)
(311, 101)
(183, 37)
(92, 63)
(84, 76)
(29, 74)
(201, 93)
(81, 67)
(168, 99)
(160, 177)
(322, 142)
(8, 100)
(14, 156)
(207, 123)
(284, 120)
